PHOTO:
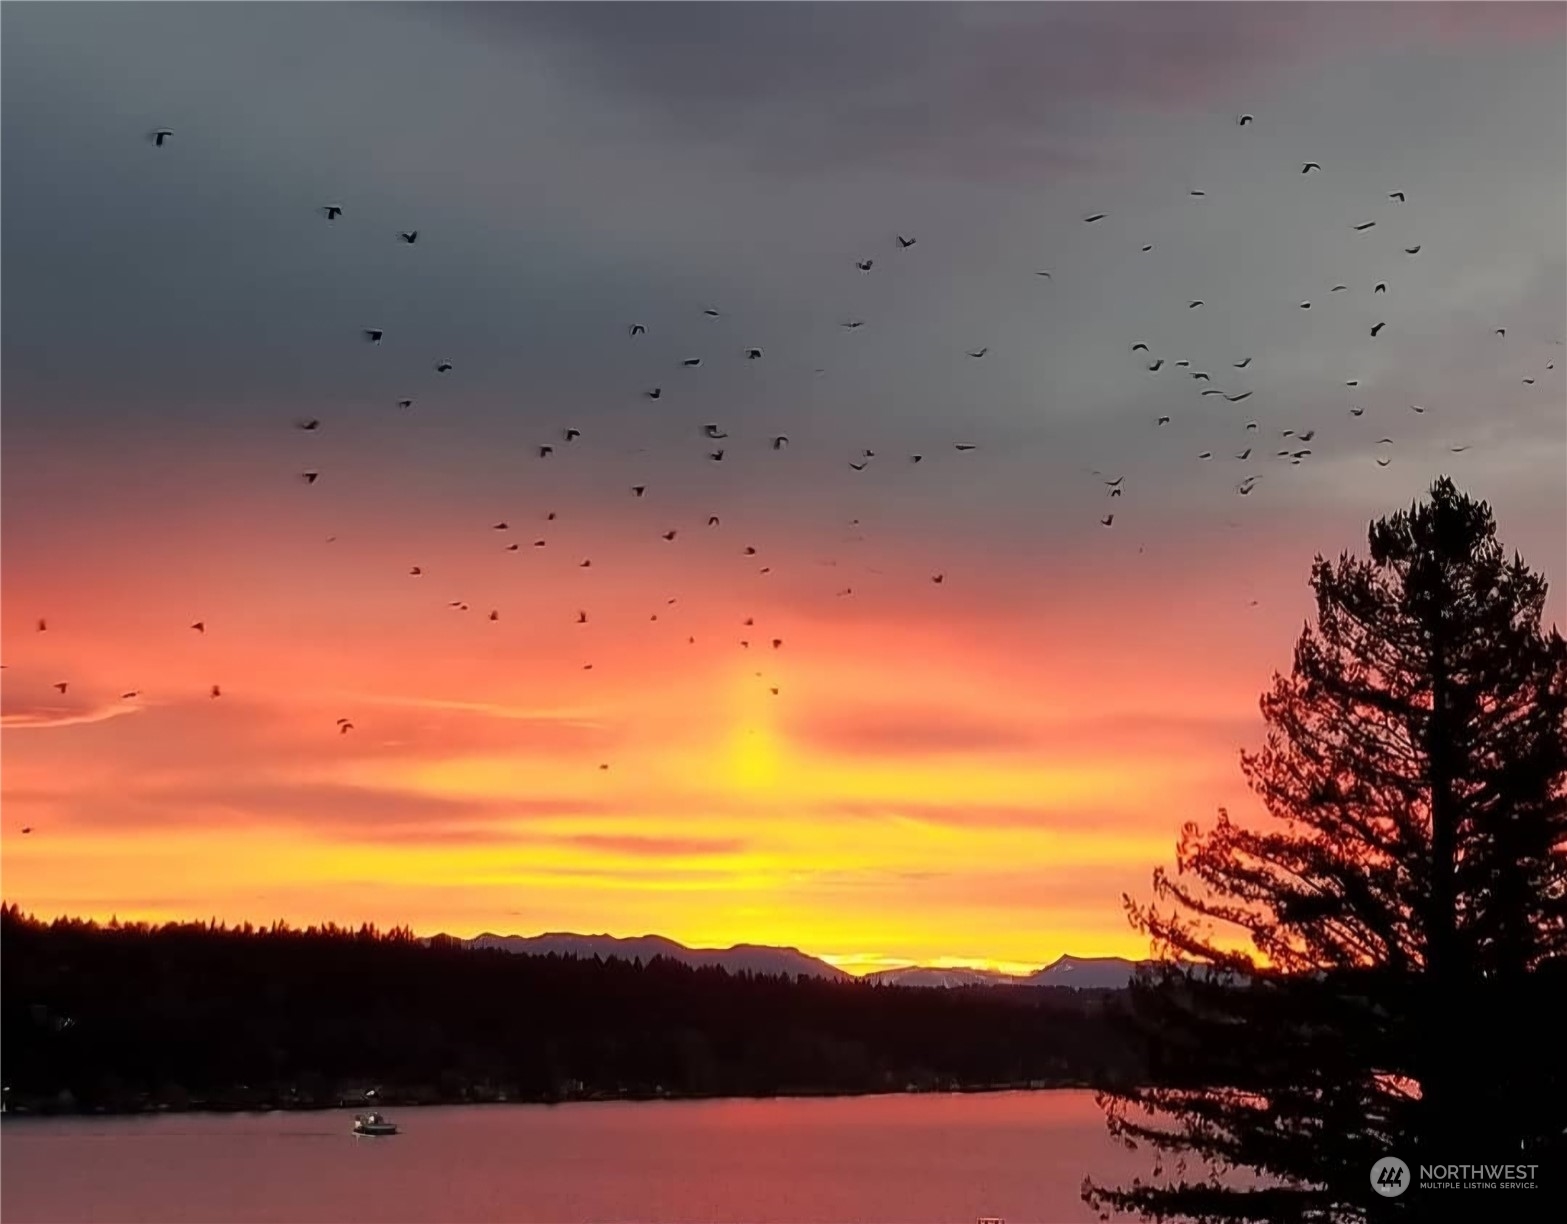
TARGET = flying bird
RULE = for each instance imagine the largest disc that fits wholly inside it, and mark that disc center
(639, 490)
(938, 579)
(1338, 288)
(1046, 275)
(1357, 411)
(1416, 408)
(571, 435)
(864, 265)
(307, 423)
(780, 442)
(1235, 399)
(415, 571)
(1366, 226)
(332, 211)
(670, 535)
(1383, 462)
(1381, 287)
(1139, 346)
(716, 456)
(1157, 366)
(1241, 365)
(1305, 305)
(1501, 331)
(1245, 119)
(443, 367)
(692, 361)
(546, 451)
(310, 477)
(373, 334)
(344, 726)
(409, 236)
(582, 618)
(63, 685)
(712, 314)
(1213, 391)
(161, 135)
(712, 431)
(654, 393)
(1206, 455)
(1194, 304)
(43, 625)
(637, 329)
(1095, 217)
(1414, 250)
(712, 520)
(858, 467)
(501, 526)
(1378, 328)
(853, 323)
(1458, 450)
(1309, 167)
(1396, 195)
(200, 626)
(405, 403)
(964, 446)
(1108, 519)
(753, 354)
(978, 352)
(906, 243)
(1164, 420)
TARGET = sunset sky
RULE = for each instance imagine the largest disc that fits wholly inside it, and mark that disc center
(964, 772)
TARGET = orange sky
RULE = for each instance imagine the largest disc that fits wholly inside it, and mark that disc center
(969, 772)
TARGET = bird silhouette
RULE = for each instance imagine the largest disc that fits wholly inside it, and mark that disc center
(1108, 520)
(1244, 120)
(1139, 347)
(712, 314)
(1357, 411)
(63, 685)
(1414, 250)
(780, 442)
(310, 477)
(409, 236)
(307, 423)
(1164, 420)
(405, 403)
(1235, 399)
(1383, 462)
(199, 626)
(1381, 287)
(1416, 408)
(1396, 195)
(654, 393)
(1366, 226)
(443, 367)
(1241, 365)
(938, 579)
(332, 211)
(670, 535)
(716, 456)
(43, 625)
(1157, 366)
(964, 446)
(692, 361)
(753, 354)
(373, 334)
(639, 490)
(712, 431)
(1095, 217)
(415, 571)
(1378, 328)
(1192, 305)
(978, 352)
(864, 265)
(500, 526)
(582, 618)
(546, 451)
(712, 520)
(637, 329)
(344, 726)
(161, 135)
(851, 324)
(858, 467)
(1309, 167)
(906, 243)
(571, 435)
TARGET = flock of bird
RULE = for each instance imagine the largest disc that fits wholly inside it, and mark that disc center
(1292, 445)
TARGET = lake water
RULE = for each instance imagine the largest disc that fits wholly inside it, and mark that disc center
(941, 1159)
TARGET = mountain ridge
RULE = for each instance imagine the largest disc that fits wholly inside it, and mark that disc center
(1079, 972)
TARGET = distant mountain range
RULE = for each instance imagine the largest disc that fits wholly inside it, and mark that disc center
(1082, 972)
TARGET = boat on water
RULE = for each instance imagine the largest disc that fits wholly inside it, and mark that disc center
(373, 1124)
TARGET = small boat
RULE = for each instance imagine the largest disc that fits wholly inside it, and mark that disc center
(373, 1124)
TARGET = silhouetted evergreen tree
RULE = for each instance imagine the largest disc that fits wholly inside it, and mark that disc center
(1411, 911)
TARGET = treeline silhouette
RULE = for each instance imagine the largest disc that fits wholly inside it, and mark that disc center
(123, 1017)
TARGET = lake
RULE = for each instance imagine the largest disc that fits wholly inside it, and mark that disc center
(912, 1159)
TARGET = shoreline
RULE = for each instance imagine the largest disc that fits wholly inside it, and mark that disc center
(30, 1110)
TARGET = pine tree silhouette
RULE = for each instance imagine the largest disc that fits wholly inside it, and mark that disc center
(1407, 915)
